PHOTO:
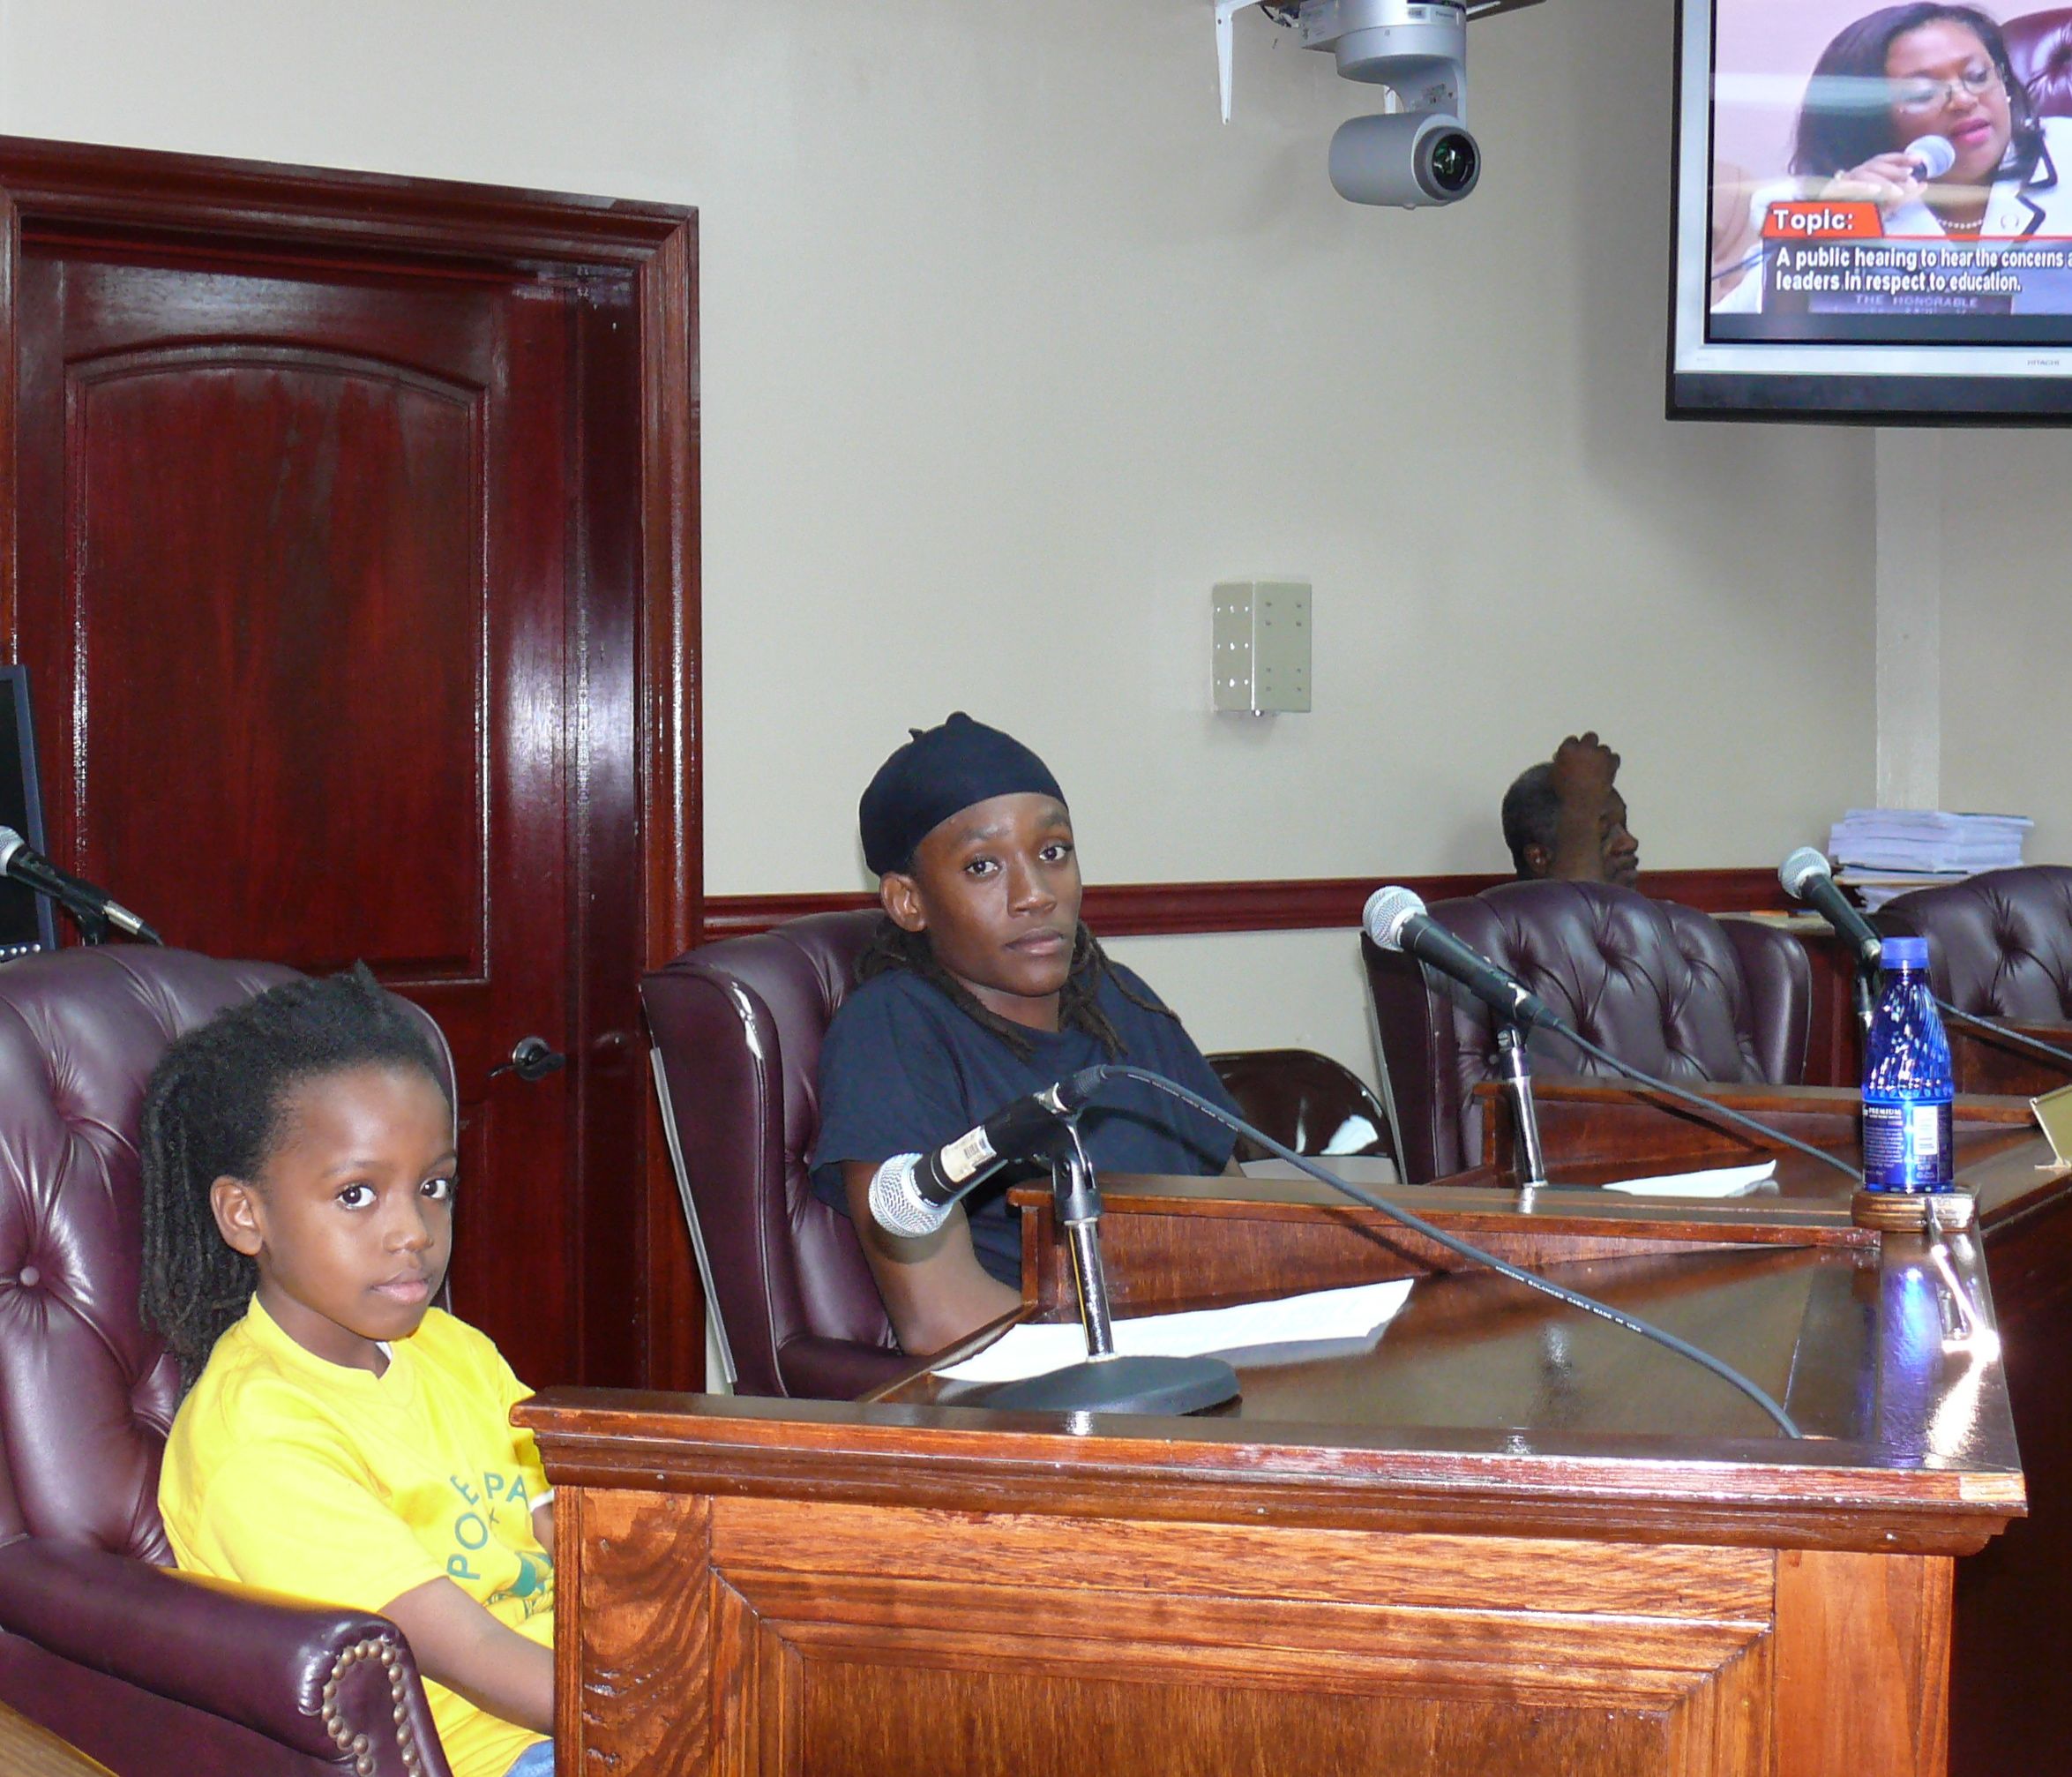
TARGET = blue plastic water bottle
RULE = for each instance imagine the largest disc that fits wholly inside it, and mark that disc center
(1907, 1087)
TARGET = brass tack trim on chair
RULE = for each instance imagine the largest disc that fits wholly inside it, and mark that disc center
(358, 1745)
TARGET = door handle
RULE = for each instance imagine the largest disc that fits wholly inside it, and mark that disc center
(532, 1058)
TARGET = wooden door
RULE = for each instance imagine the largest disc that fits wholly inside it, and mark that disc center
(314, 544)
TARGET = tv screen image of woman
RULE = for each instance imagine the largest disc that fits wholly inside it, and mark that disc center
(1894, 180)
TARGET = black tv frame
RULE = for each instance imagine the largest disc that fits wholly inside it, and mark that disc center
(1866, 396)
(23, 912)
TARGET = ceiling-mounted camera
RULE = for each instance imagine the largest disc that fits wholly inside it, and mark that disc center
(1421, 152)
(1410, 158)
(1418, 50)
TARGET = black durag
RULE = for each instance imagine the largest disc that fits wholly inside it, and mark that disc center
(939, 773)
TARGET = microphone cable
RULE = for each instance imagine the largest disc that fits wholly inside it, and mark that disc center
(1118, 1071)
(2004, 1031)
(1712, 1106)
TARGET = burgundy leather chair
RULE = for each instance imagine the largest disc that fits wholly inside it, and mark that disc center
(2000, 943)
(1669, 989)
(1304, 1100)
(737, 1026)
(2039, 44)
(146, 1671)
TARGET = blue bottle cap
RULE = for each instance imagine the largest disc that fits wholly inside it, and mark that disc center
(1905, 953)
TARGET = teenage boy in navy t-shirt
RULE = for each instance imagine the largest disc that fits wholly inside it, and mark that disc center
(980, 986)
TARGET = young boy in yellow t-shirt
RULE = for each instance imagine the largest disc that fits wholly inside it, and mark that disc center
(341, 1440)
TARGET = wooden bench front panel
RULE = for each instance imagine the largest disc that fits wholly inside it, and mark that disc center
(783, 1635)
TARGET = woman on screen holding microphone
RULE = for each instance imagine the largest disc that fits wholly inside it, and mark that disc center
(1916, 109)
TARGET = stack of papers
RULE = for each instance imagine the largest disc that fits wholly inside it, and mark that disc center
(1928, 840)
(1883, 853)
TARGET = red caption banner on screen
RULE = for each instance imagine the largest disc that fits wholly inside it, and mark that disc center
(1815, 220)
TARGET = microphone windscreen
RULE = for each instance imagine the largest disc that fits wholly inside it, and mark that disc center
(896, 1206)
(1932, 153)
(1803, 865)
(1386, 910)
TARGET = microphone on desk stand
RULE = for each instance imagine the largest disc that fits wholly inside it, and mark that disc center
(1109, 1382)
(1807, 880)
(1397, 920)
(912, 1195)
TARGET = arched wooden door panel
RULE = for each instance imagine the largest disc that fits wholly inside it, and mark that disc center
(344, 568)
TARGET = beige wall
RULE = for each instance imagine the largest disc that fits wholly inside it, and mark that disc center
(2007, 631)
(1012, 350)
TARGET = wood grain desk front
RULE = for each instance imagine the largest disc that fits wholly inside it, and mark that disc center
(1502, 1537)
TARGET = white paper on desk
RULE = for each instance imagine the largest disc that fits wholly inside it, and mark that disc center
(1719, 1181)
(1322, 1315)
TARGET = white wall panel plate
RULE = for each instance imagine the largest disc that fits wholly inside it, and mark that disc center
(1259, 646)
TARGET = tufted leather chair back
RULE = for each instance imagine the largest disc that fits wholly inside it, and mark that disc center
(1670, 990)
(86, 1393)
(737, 1027)
(2000, 944)
(2039, 44)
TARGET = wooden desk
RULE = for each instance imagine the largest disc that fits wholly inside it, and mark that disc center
(2007, 1709)
(1505, 1538)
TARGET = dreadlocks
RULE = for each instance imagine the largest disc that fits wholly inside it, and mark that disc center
(1079, 1008)
(214, 1109)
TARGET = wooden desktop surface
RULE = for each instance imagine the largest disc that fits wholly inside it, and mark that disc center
(1505, 1537)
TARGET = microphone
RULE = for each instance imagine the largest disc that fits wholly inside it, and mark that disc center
(1396, 919)
(1932, 155)
(913, 1194)
(1806, 878)
(17, 860)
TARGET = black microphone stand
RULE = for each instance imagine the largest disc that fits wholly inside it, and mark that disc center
(1866, 995)
(1531, 1158)
(96, 927)
(1107, 1382)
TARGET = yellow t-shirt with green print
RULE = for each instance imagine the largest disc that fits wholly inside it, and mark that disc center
(286, 1471)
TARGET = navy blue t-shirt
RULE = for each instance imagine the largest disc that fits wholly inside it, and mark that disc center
(904, 1070)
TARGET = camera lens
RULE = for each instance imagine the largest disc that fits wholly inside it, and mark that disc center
(1454, 163)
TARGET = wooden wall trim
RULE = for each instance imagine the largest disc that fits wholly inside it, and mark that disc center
(1136, 909)
(84, 186)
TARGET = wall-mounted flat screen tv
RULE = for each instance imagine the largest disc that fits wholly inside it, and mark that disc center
(1872, 214)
